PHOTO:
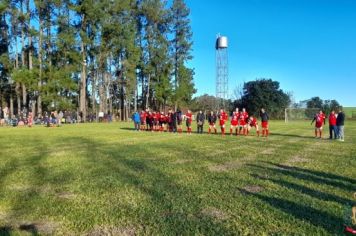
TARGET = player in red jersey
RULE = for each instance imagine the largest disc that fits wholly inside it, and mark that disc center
(319, 119)
(156, 118)
(252, 122)
(189, 118)
(222, 119)
(243, 121)
(143, 116)
(264, 119)
(234, 123)
(162, 122)
(30, 119)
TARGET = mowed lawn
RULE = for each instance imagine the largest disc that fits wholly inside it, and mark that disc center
(106, 179)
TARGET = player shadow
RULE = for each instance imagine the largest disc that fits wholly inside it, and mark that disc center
(292, 135)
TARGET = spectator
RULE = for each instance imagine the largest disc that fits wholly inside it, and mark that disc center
(332, 124)
(200, 122)
(60, 117)
(340, 120)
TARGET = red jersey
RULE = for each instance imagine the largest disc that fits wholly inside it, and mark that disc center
(189, 117)
(235, 119)
(243, 118)
(162, 118)
(253, 122)
(223, 118)
(332, 119)
(319, 120)
(156, 116)
(143, 116)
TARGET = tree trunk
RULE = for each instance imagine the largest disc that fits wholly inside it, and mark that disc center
(24, 92)
(39, 96)
(83, 84)
(148, 91)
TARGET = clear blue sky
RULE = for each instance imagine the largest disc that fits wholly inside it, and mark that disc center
(309, 46)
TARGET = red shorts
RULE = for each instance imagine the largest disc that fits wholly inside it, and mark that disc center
(222, 122)
(264, 124)
(234, 123)
(318, 125)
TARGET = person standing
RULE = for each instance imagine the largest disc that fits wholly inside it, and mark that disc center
(340, 122)
(222, 120)
(136, 120)
(332, 124)
(189, 119)
(179, 120)
(200, 122)
(212, 120)
(319, 119)
(264, 122)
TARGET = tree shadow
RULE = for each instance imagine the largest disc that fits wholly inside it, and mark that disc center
(303, 212)
(292, 135)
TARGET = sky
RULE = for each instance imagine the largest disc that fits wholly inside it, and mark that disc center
(309, 46)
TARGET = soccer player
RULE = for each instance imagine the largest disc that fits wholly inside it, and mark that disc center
(212, 120)
(243, 121)
(319, 119)
(234, 123)
(332, 124)
(162, 122)
(149, 120)
(188, 121)
(252, 122)
(222, 119)
(264, 120)
(143, 115)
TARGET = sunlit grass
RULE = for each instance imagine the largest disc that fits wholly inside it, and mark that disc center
(107, 179)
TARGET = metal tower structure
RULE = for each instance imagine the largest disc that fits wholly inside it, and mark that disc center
(222, 69)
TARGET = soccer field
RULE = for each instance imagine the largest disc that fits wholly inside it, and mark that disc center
(101, 179)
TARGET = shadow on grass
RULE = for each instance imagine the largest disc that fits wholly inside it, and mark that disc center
(333, 224)
(292, 135)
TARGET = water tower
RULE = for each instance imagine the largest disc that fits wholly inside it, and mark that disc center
(222, 69)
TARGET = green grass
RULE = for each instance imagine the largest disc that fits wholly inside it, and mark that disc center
(349, 111)
(99, 179)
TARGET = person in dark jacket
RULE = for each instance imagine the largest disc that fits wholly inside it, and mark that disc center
(340, 122)
(264, 122)
(200, 122)
(212, 120)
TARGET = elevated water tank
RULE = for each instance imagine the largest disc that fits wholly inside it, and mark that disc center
(221, 42)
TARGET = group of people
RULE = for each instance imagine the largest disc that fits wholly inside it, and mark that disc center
(240, 121)
(336, 124)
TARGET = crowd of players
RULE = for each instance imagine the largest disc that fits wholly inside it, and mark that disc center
(336, 124)
(240, 121)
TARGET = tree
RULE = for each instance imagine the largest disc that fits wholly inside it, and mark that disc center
(315, 102)
(263, 93)
(181, 45)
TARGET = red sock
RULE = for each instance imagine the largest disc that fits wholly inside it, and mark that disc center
(258, 133)
(248, 132)
(263, 132)
(222, 131)
(321, 133)
(230, 131)
(209, 131)
(267, 132)
(216, 131)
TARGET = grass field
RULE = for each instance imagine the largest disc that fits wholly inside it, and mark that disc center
(349, 111)
(102, 179)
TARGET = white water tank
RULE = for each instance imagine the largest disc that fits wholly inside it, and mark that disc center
(222, 42)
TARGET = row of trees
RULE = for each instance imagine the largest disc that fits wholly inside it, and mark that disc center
(97, 55)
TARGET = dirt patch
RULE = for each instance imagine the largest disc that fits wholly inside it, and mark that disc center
(182, 161)
(268, 151)
(231, 165)
(215, 213)
(66, 195)
(253, 189)
(3, 215)
(112, 231)
(297, 159)
(18, 187)
(42, 228)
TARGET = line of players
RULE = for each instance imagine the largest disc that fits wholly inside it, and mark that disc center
(240, 122)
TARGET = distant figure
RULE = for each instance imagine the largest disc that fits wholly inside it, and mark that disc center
(136, 120)
(222, 120)
(340, 121)
(332, 124)
(200, 122)
(264, 122)
(252, 123)
(243, 121)
(30, 119)
(101, 116)
(178, 121)
(188, 121)
(319, 119)
(60, 117)
(212, 120)
(234, 122)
